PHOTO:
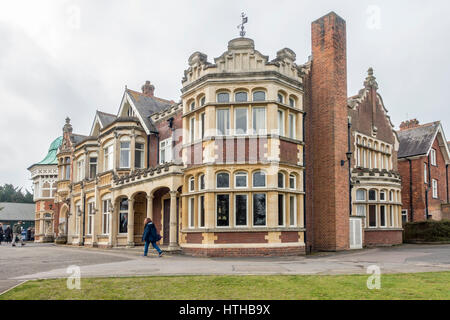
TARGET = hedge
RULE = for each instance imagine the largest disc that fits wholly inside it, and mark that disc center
(428, 231)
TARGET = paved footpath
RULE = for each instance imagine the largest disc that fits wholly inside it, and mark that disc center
(45, 261)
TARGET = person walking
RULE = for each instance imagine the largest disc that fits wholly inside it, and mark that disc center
(1, 234)
(17, 232)
(151, 236)
(8, 234)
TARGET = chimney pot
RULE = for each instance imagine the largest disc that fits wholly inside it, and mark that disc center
(148, 89)
(409, 124)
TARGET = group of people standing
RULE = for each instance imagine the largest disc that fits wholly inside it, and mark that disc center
(12, 235)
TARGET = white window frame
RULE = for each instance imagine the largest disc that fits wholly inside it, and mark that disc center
(106, 216)
(405, 214)
(281, 125)
(433, 157)
(227, 128)
(202, 123)
(200, 212)
(383, 193)
(191, 212)
(80, 170)
(141, 153)
(235, 210)
(284, 181)
(90, 218)
(284, 210)
(229, 182)
(376, 216)
(435, 187)
(77, 218)
(229, 210)
(295, 211)
(253, 179)
(200, 187)
(292, 120)
(129, 154)
(365, 195)
(295, 181)
(108, 157)
(425, 173)
(253, 206)
(191, 184)
(192, 129)
(166, 147)
(392, 216)
(259, 131)
(385, 216)
(245, 132)
(241, 173)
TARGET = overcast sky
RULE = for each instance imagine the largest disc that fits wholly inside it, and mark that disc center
(70, 58)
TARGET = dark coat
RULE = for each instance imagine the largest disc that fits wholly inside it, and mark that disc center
(8, 234)
(150, 233)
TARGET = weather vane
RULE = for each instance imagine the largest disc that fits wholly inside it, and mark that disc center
(241, 26)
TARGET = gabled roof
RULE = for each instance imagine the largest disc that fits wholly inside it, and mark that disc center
(50, 158)
(103, 119)
(144, 106)
(419, 140)
(17, 211)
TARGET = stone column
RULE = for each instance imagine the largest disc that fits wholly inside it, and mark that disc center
(150, 207)
(173, 245)
(132, 151)
(130, 223)
(113, 219)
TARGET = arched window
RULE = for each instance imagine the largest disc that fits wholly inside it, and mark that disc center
(192, 105)
(281, 180)
(191, 184)
(383, 195)
(292, 102)
(123, 216)
(259, 96)
(259, 179)
(201, 182)
(280, 98)
(373, 195)
(202, 101)
(240, 180)
(223, 180)
(292, 181)
(223, 97)
(391, 196)
(241, 97)
(361, 195)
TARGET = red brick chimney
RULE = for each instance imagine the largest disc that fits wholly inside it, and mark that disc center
(326, 142)
(409, 124)
(148, 89)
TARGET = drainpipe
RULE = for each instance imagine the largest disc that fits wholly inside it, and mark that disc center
(428, 189)
(411, 206)
(84, 219)
(446, 179)
(304, 178)
(349, 157)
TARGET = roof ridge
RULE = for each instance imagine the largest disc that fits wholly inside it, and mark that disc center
(108, 114)
(153, 97)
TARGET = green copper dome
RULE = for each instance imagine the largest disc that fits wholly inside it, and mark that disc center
(52, 152)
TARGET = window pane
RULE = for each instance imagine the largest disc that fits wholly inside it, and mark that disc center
(223, 97)
(280, 98)
(124, 154)
(202, 211)
(202, 182)
(259, 179)
(281, 210)
(202, 125)
(191, 184)
(360, 195)
(123, 228)
(223, 121)
(382, 196)
(280, 123)
(361, 211)
(241, 97)
(259, 209)
(292, 102)
(291, 126)
(259, 120)
(372, 216)
(241, 210)
(223, 214)
(383, 216)
(280, 180)
(292, 181)
(293, 210)
(259, 96)
(372, 195)
(241, 180)
(223, 180)
(191, 213)
(241, 120)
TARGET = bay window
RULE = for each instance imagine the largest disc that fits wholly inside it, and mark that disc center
(139, 156)
(125, 154)
(108, 158)
(223, 210)
(165, 151)
(241, 209)
(92, 167)
(223, 121)
(259, 120)
(259, 209)
(240, 120)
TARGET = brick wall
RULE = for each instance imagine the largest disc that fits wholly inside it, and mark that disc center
(326, 123)
(419, 186)
(383, 237)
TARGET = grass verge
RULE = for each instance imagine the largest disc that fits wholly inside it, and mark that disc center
(419, 286)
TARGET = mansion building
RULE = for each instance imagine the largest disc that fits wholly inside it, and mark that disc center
(259, 157)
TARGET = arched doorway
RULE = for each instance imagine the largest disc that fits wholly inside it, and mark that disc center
(140, 213)
(161, 213)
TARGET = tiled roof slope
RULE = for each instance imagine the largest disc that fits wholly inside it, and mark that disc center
(417, 141)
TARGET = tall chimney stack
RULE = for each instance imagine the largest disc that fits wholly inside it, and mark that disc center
(148, 89)
(328, 215)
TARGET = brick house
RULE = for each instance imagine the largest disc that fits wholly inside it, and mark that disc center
(423, 160)
(256, 159)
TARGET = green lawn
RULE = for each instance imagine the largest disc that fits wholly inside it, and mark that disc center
(421, 286)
